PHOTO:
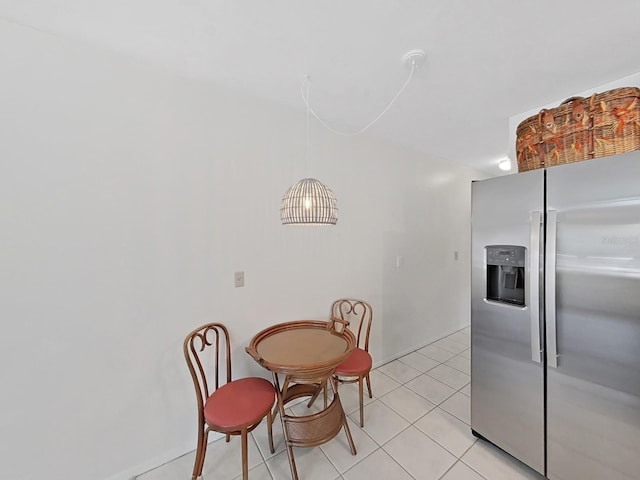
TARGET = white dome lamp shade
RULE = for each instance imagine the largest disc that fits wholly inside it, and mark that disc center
(309, 202)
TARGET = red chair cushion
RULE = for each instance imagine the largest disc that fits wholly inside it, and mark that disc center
(239, 403)
(358, 362)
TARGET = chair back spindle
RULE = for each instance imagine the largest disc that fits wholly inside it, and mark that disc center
(356, 312)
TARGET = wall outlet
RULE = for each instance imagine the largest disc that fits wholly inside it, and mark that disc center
(238, 279)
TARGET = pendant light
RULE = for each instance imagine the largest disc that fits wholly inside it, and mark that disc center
(309, 202)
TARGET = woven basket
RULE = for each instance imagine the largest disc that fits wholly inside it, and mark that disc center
(580, 128)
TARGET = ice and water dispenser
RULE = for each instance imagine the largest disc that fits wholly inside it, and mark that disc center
(505, 274)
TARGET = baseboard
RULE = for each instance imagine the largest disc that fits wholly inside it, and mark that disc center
(132, 472)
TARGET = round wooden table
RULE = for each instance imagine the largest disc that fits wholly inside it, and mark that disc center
(306, 352)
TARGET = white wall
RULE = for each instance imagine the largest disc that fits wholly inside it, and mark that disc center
(130, 195)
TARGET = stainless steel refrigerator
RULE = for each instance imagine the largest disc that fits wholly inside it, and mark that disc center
(555, 317)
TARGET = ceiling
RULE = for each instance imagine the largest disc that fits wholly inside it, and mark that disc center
(486, 61)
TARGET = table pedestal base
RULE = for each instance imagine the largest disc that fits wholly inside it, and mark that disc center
(314, 429)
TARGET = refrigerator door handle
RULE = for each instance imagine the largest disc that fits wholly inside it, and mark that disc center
(550, 289)
(534, 286)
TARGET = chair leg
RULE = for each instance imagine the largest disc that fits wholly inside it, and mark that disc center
(369, 385)
(361, 395)
(196, 463)
(245, 460)
(270, 431)
(201, 451)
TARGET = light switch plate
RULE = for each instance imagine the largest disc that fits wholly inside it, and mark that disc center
(238, 279)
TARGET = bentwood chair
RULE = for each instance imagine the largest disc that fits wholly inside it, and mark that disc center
(231, 407)
(357, 366)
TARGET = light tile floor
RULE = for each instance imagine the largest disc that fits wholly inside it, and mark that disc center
(416, 427)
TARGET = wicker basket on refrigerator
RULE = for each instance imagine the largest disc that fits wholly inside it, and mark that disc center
(604, 124)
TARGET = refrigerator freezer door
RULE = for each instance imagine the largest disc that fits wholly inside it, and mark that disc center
(593, 393)
(507, 386)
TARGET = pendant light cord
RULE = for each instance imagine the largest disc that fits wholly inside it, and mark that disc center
(306, 101)
(363, 129)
